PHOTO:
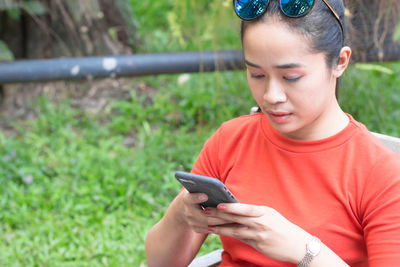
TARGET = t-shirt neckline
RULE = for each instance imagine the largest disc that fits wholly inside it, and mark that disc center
(300, 146)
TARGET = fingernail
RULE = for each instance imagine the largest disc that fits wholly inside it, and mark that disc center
(210, 229)
(221, 207)
(203, 197)
(207, 211)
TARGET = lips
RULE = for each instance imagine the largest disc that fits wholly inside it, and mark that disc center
(279, 117)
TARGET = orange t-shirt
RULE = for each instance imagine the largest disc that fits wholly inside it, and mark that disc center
(344, 189)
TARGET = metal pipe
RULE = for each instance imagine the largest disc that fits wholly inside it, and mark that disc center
(139, 65)
(117, 66)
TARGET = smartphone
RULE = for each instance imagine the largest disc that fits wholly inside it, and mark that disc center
(215, 190)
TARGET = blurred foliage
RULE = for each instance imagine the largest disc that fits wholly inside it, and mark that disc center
(397, 33)
(5, 53)
(186, 25)
(370, 92)
(14, 8)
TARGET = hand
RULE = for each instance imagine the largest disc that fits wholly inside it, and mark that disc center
(195, 216)
(264, 229)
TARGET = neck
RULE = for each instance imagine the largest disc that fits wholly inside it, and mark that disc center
(331, 122)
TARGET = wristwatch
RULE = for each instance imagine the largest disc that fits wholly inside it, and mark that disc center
(313, 249)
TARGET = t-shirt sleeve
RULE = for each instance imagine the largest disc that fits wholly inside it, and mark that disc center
(381, 208)
(207, 163)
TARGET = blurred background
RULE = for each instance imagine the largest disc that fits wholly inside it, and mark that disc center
(86, 167)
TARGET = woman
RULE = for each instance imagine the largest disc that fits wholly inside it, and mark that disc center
(315, 187)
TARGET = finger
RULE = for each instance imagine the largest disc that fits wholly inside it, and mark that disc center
(194, 198)
(233, 218)
(244, 209)
(192, 211)
(242, 213)
(237, 231)
(216, 221)
(195, 216)
(212, 220)
(228, 217)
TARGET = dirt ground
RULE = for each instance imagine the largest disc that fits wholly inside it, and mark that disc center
(17, 100)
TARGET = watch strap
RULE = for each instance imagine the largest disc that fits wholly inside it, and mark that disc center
(310, 255)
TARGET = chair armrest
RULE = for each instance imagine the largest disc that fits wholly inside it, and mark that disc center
(208, 260)
(393, 143)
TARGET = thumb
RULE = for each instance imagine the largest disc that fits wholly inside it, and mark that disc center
(195, 198)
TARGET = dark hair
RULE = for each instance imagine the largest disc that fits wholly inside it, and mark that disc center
(320, 26)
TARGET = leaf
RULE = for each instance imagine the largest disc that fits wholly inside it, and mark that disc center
(33, 7)
(175, 27)
(5, 53)
(7, 5)
(374, 67)
(11, 7)
(396, 36)
(14, 13)
(113, 32)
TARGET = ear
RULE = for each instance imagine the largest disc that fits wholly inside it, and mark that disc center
(344, 59)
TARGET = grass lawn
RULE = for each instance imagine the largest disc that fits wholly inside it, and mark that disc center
(74, 194)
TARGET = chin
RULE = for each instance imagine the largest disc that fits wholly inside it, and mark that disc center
(288, 130)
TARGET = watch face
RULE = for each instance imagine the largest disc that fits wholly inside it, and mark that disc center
(314, 246)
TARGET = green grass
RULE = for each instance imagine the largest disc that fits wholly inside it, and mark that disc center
(74, 195)
(372, 96)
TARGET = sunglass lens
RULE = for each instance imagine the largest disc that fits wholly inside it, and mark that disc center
(296, 8)
(250, 9)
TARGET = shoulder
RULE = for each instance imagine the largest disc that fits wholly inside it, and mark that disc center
(237, 132)
(234, 130)
(368, 146)
(241, 125)
(382, 165)
(375, 163)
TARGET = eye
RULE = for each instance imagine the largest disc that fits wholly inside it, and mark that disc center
(257, 76)
(292, 79)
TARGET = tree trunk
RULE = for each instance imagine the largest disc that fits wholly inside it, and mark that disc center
(70, 28)
(371, 29)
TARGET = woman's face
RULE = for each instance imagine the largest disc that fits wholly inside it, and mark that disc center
(292, 85)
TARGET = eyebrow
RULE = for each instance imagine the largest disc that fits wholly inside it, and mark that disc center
(288, 66)
(251, 64)
(284, 66)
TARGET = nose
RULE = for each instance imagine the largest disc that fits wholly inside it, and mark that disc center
(274, 92)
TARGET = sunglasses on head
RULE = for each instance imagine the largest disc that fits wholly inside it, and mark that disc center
(252, 9)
